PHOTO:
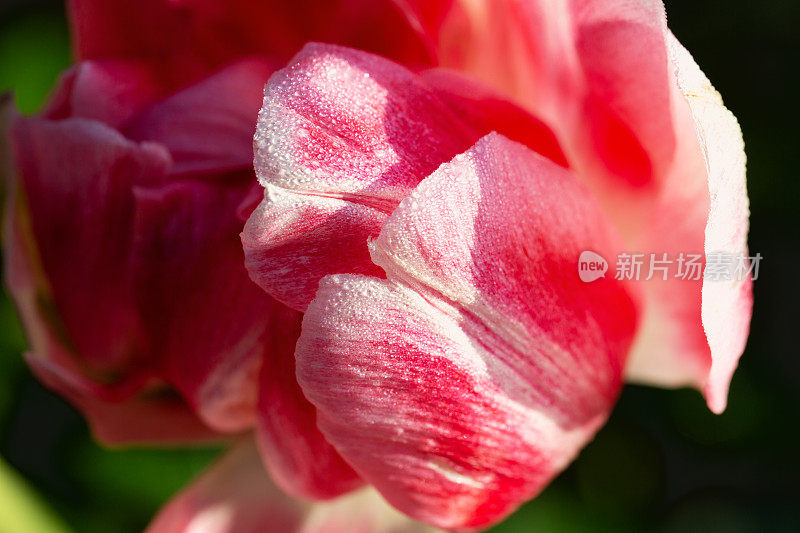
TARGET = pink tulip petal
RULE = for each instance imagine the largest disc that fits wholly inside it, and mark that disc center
(727, 307)
(236, 496)
(74, 179)
(669, 173)
(486, 111)
(464, 383)
(208, 127)
(523, 49)
(147, 284)
(342, 137)
(112, 92)
(632, 127)
(227, 346)
(695, 331)
(134, 408)
(187, 40)
(293, 240)
(339, 121)
(297, 456)
(597, 71)
(206, 319)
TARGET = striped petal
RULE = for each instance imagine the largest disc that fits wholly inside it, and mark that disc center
(342, 137)
(463, 383)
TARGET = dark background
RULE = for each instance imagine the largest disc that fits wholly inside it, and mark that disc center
(662, 463)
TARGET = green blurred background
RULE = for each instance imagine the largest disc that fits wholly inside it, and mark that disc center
(663, 462)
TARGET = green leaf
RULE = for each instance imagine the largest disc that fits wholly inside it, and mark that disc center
(21, 509)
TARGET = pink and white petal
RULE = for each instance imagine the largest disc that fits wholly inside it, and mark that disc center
(611, 66)
(364, 511)
(707, 194)
(292, 240)
(727, 307)
(444, 386)
(111, 92)
(340, 121)
(525, 50)
(72, 198)
(475, 240)
(572, 63)
(343, 122)
(671, 349)
(208, 127)
(236, 496)
(296, 454)
(206, 318)
(342, 137)
(408, 393)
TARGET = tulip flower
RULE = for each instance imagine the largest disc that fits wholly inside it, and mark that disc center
(429, 225)
(406, 321)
